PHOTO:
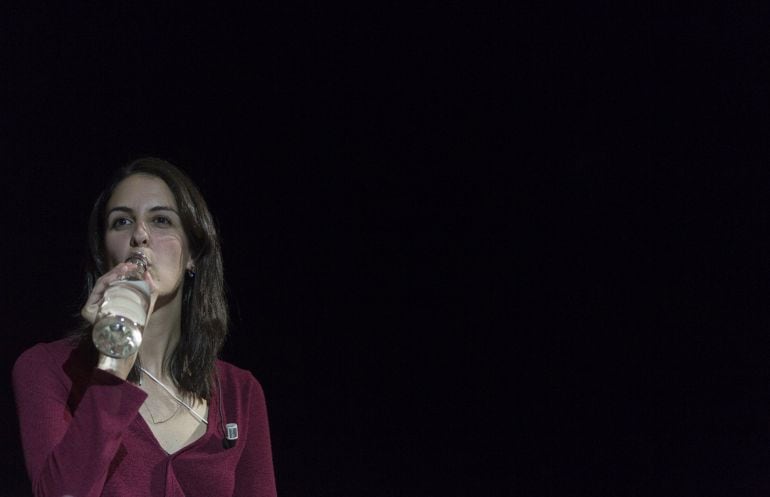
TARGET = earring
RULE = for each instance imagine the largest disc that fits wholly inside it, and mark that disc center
(191, 272)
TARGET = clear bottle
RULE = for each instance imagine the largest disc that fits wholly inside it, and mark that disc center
(123, 312)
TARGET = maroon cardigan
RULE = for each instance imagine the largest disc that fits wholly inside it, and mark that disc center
(83, 436)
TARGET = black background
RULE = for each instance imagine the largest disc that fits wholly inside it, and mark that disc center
(346, 153)
(471, 249)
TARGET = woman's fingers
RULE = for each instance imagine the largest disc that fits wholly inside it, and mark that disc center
(91, 307)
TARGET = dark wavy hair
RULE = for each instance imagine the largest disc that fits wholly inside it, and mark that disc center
(204, 306)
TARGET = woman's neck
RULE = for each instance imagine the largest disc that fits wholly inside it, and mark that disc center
(161, 336)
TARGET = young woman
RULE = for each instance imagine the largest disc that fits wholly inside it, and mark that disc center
(153, 423)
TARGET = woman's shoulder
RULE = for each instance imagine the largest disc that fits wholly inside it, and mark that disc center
(61, 362)
(233, 377)
(46, 354)
(240, 392)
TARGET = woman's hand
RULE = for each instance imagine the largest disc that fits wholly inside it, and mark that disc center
(119, 367)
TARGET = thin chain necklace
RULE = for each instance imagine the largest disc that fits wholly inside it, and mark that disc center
(181, 402)
(159, 421)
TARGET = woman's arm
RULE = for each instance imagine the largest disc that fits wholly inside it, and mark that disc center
(69, 453)
(254, 476)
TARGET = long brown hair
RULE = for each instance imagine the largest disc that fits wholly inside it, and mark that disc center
(204, 306)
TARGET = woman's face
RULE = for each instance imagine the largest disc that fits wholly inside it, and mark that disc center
(142, 215)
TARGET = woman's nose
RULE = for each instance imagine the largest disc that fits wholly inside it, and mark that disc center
(140, 236)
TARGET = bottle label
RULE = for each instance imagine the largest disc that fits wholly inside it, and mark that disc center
(129, 299)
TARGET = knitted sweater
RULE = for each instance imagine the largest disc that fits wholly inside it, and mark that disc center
(82, 434)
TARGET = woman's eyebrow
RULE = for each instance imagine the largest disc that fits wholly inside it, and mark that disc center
(121, 208)
(163, 208)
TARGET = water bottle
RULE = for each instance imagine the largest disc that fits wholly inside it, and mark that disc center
(123, 312)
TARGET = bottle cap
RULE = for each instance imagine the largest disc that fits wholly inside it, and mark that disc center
(139, 259)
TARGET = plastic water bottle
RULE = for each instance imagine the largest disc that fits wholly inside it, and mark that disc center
(123, 312)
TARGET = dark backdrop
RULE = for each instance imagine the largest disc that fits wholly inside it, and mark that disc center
(345, 152)
(471, 250)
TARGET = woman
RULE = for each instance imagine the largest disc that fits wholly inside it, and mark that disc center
(153, 423)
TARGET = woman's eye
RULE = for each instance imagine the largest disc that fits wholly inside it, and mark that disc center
(162, 220)
(121, 221)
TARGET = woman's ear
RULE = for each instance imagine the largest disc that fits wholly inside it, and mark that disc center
(191, 268)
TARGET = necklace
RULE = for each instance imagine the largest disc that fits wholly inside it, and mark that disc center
(159, 421)
(180, 401)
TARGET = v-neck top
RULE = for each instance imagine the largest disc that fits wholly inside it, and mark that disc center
(82, 433)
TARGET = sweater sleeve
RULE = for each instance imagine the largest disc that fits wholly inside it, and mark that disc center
(254, 476)
(70, 453)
